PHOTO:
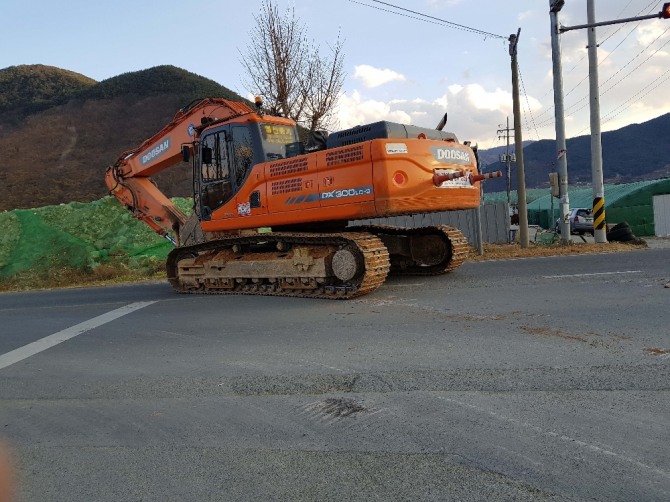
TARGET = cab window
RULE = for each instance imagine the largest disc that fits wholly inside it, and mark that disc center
(214, 158)
(215, 183)
(278, 140)
(242, 153)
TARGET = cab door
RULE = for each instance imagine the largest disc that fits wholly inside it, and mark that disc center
(248, 181)
(213, 185)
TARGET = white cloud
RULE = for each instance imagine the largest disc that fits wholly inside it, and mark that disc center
(416, 101)
(474, 112)
(374, 77)
(480, 99)
(352, 110)
(649, 32)
(442, 102)
(522, 16)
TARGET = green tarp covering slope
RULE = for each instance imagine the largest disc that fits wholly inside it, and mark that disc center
(77, 235)
(630, 202)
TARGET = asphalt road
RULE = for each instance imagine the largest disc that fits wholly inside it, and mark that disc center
(538, 379)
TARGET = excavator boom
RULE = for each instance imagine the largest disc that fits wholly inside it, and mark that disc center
(129, 177)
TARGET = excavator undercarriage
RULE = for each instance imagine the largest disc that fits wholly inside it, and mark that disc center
(327, 265)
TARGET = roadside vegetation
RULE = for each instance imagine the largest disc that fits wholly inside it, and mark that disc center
(511, 251)
(79, 244)
(66, 277)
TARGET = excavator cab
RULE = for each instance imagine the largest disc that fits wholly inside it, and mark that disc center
(228, 152)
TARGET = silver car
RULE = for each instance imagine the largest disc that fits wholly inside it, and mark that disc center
(581, 221)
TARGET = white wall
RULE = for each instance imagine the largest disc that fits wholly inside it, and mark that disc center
(662, 215)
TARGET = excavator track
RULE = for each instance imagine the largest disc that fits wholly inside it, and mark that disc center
(430, 250)
(327, 265)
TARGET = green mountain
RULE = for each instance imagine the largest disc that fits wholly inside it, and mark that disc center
(59, 130)
(30, 88)
(636, 152)
(156, 81)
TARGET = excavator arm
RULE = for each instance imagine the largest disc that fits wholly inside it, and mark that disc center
(129, 178)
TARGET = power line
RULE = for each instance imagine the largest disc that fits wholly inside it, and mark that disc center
(629, 62)
(548, 109)
(621, 26)
(530, 112)
(638, 55)
(622, 107)
(572, 110)
(426, 18)
(494, 141)
(609, 116)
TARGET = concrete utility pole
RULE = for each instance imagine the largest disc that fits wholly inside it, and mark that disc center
(518, 144)
(596, 145)
(596, 142)
(561, 149)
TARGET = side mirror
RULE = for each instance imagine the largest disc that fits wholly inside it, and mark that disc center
(186, 153)
(206, 155)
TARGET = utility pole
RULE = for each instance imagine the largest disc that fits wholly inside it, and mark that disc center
(507, 158)
(555, 7)
(518, 144)
(596, 142)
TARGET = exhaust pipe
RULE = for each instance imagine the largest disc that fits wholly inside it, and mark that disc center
(439, 178)
(487, 176)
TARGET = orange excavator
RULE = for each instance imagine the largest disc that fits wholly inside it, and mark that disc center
(272, 214)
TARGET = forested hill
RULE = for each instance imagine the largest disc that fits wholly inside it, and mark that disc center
(59, 130)
(633, 153)
(30, 88)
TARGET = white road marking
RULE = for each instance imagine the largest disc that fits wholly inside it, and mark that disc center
(589, 275)
(538, 430)
(47, 342)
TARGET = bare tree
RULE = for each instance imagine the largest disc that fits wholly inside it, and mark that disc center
(291, 74)
(325, 77)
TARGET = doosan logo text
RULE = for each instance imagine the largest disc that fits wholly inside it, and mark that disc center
(156, 151)
(452, 154)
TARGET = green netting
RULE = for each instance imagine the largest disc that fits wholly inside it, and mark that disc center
(629, 202)
(78, 236)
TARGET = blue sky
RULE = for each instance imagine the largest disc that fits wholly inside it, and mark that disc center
(398, 68)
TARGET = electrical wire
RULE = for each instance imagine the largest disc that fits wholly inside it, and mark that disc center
(611, 115)
(428, 19)
(571, 110)
(622, 107)
(548, 109)
(607, 37)
(494, 141)
(636, 56)
(530, 112)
